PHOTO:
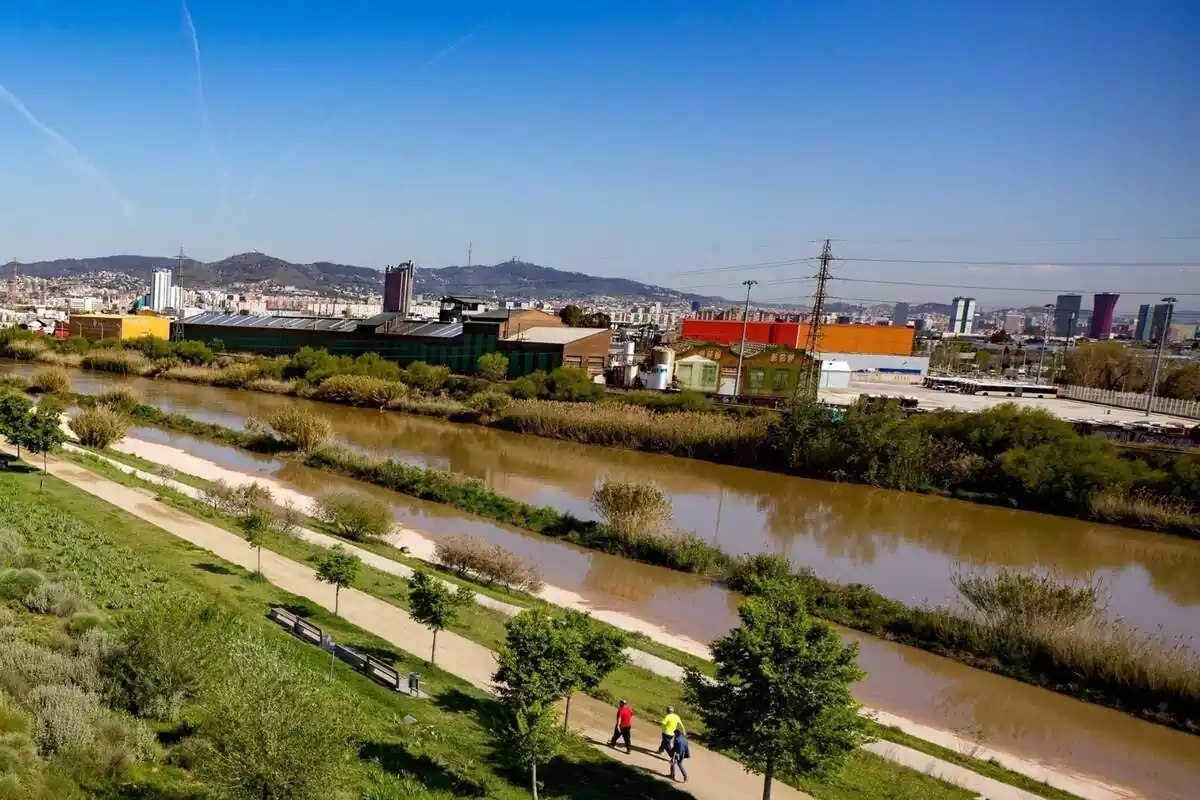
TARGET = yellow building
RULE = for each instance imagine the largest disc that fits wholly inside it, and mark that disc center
(118, 326)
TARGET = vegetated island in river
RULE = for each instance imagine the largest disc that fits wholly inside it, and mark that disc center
(1022, 458)
(1029, 627)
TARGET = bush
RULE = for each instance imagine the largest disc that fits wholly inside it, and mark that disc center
(83, 621)
(529, 387)
(301, 429)
(60, 598)
(24, 349)
(572, 384)
(489, 405)
(492, 366)
(25, 666)
(193, 352)
(98, 427)
(237, 501)
(119, 398)
(52, 379)
(123, 362)
(272, 386)
(358, 390)
(750, 572)
(424, 377)
(633, 509)
(491, 564)
(63, 717)
(16, 584)
(354, 516)
(1024, 599)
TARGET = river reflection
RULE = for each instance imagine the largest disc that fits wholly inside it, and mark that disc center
(906, 546)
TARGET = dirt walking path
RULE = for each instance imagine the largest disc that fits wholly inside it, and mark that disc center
(714, 777)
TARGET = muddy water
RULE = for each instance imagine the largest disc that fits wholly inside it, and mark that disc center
(1066, 734)
(904, 545)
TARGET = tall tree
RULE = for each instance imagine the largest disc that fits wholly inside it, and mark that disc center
(538, 665)
(43, 430)
(781, 699)
(571, 316)
(339, 568)
(492, 366)
(255, 527)
(434, 605)
(602, 651)
(14, 417)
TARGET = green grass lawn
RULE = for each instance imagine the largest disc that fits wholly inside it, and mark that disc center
(867, 776)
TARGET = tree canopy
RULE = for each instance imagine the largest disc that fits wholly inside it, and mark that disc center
(434, 605)
(339, 568)
(781, 699)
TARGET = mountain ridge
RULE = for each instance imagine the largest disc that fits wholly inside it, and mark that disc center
(506, 278)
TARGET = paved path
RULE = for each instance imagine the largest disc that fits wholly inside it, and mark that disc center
(715, 777)
(908, 757)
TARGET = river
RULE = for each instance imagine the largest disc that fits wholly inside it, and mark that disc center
(906, 546)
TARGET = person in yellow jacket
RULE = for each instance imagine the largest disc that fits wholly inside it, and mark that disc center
(670, 723)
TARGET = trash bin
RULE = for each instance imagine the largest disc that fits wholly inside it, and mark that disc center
(414, 684)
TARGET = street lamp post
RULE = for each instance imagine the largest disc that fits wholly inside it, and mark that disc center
(737, 381)
(1053, 309)
(1162, 340)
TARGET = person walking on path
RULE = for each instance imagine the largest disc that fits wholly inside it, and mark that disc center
(679, 753)
(624, 727)
(670, 723)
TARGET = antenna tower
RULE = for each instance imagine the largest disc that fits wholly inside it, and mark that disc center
(177, 328)
(812, 380)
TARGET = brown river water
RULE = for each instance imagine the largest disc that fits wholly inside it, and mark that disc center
(906, 546)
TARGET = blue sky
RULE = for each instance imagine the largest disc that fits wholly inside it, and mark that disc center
(644, 139)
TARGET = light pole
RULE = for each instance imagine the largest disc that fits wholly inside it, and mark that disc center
(1053, 309)
(1162, 340)
(737, 381)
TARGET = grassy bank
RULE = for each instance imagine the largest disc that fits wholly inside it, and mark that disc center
(1141, 675)
(1019, 458)
(643, 689)
(449, 750)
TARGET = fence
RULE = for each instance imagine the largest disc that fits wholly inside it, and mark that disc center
(1108, 397)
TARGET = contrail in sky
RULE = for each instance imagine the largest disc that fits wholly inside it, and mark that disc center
(296, 149)
(70, 154)
(205, 120)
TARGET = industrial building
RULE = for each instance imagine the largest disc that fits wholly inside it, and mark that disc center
(889, 340)
(712, 368)
(118, 326)
(530, 339)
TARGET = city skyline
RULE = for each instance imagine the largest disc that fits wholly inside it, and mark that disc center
(614, 142)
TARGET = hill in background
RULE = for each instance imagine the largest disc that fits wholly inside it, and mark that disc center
(510, 278)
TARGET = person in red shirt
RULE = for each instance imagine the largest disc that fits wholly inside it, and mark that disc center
(624, 726)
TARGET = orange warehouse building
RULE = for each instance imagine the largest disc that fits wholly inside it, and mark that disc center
(880, 340)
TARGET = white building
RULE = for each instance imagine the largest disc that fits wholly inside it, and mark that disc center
(160, 290)
(83, 305)
(1014, 322)
(962, 316)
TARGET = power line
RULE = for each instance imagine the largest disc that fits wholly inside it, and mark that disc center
(1044, 262)
(999, 288)
(757, 265)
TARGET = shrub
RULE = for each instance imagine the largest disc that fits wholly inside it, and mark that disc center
(83, 621)
(489, 405)
(98, 427)
(301, 429)
(572, 384)
(424, 377)
(25, 666)
(528, 387)
(60, 598)
(52, 379)
(193, 352)
(63, 717)
(272, 386)
(237, 500)
(358, 390)
(492, 366)
(193, 374)
(750, 572)
(490, 563)
(16, 584)
(164, 650)
(633, 509)
(354, 516)
(1025, 599)
(24, 349)
(119, 398)
(123, 362)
